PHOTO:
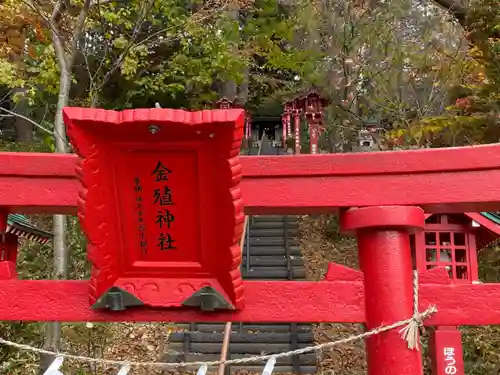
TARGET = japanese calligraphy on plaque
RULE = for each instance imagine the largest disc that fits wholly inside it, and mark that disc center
(165, 218)
(140, 216)
(162, 196)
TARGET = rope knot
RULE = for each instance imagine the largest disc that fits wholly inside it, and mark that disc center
(409, 333)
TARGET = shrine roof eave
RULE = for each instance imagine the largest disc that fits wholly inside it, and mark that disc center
(494, 217)
(20, 226)
(489, 233)
(489, 220)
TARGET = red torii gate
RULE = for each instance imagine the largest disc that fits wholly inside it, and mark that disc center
(381, 197)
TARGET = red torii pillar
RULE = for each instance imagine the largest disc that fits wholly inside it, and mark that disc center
(286, 121)
(296, 119)
(385, 259)
(248, 129)
(284, 125)
(313, 105)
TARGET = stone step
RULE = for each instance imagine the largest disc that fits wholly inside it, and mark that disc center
(273, 225)
(274, 218)
(272, 261)
(243, 348)
(243, 368)
(272, 250)
(273, 273)
(236, 337)
(274, 232)
(308, 359)
(243, 327)
(271, 241)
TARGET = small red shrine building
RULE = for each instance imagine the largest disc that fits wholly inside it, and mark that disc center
(453, 241)
(16, 227)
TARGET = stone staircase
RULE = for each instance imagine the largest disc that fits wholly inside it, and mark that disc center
(273, 254)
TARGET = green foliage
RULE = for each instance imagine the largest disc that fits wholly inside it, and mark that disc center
(472, 114)
(179, 55)
(43, 73)
(136, 53)
(8, 75)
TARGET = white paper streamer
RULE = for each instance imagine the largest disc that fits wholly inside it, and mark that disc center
(124, 370)
(269, 367)
(202, 370)
(54, 367)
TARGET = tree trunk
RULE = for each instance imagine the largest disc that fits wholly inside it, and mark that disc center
(229, 88)
(61, 254)
(243, 90)
(24, 129)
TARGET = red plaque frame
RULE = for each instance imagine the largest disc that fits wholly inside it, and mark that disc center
(161, 205)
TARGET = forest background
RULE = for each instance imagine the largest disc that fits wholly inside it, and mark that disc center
(426, 71)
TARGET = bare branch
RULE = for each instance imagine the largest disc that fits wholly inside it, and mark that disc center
(144, 12)
(34, 123)
(56, 37)
(77, 33)
(199, 16)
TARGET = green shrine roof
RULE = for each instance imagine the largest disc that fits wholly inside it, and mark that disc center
(493, 216)
(20, 226)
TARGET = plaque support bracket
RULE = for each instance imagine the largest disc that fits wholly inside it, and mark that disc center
(117, 299)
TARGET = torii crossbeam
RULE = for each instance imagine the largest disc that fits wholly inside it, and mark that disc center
(459, 179)
(341, 300)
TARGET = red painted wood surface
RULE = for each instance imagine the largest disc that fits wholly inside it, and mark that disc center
(161, 207)
(266, 301)
(440, 180)
(446, 350)
(8, 257)
(4, 216)
(385, 259)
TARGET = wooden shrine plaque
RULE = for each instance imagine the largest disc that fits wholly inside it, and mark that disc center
(161, 205)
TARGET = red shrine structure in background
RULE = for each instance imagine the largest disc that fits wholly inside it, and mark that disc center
(311, 106)
(181, 173)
